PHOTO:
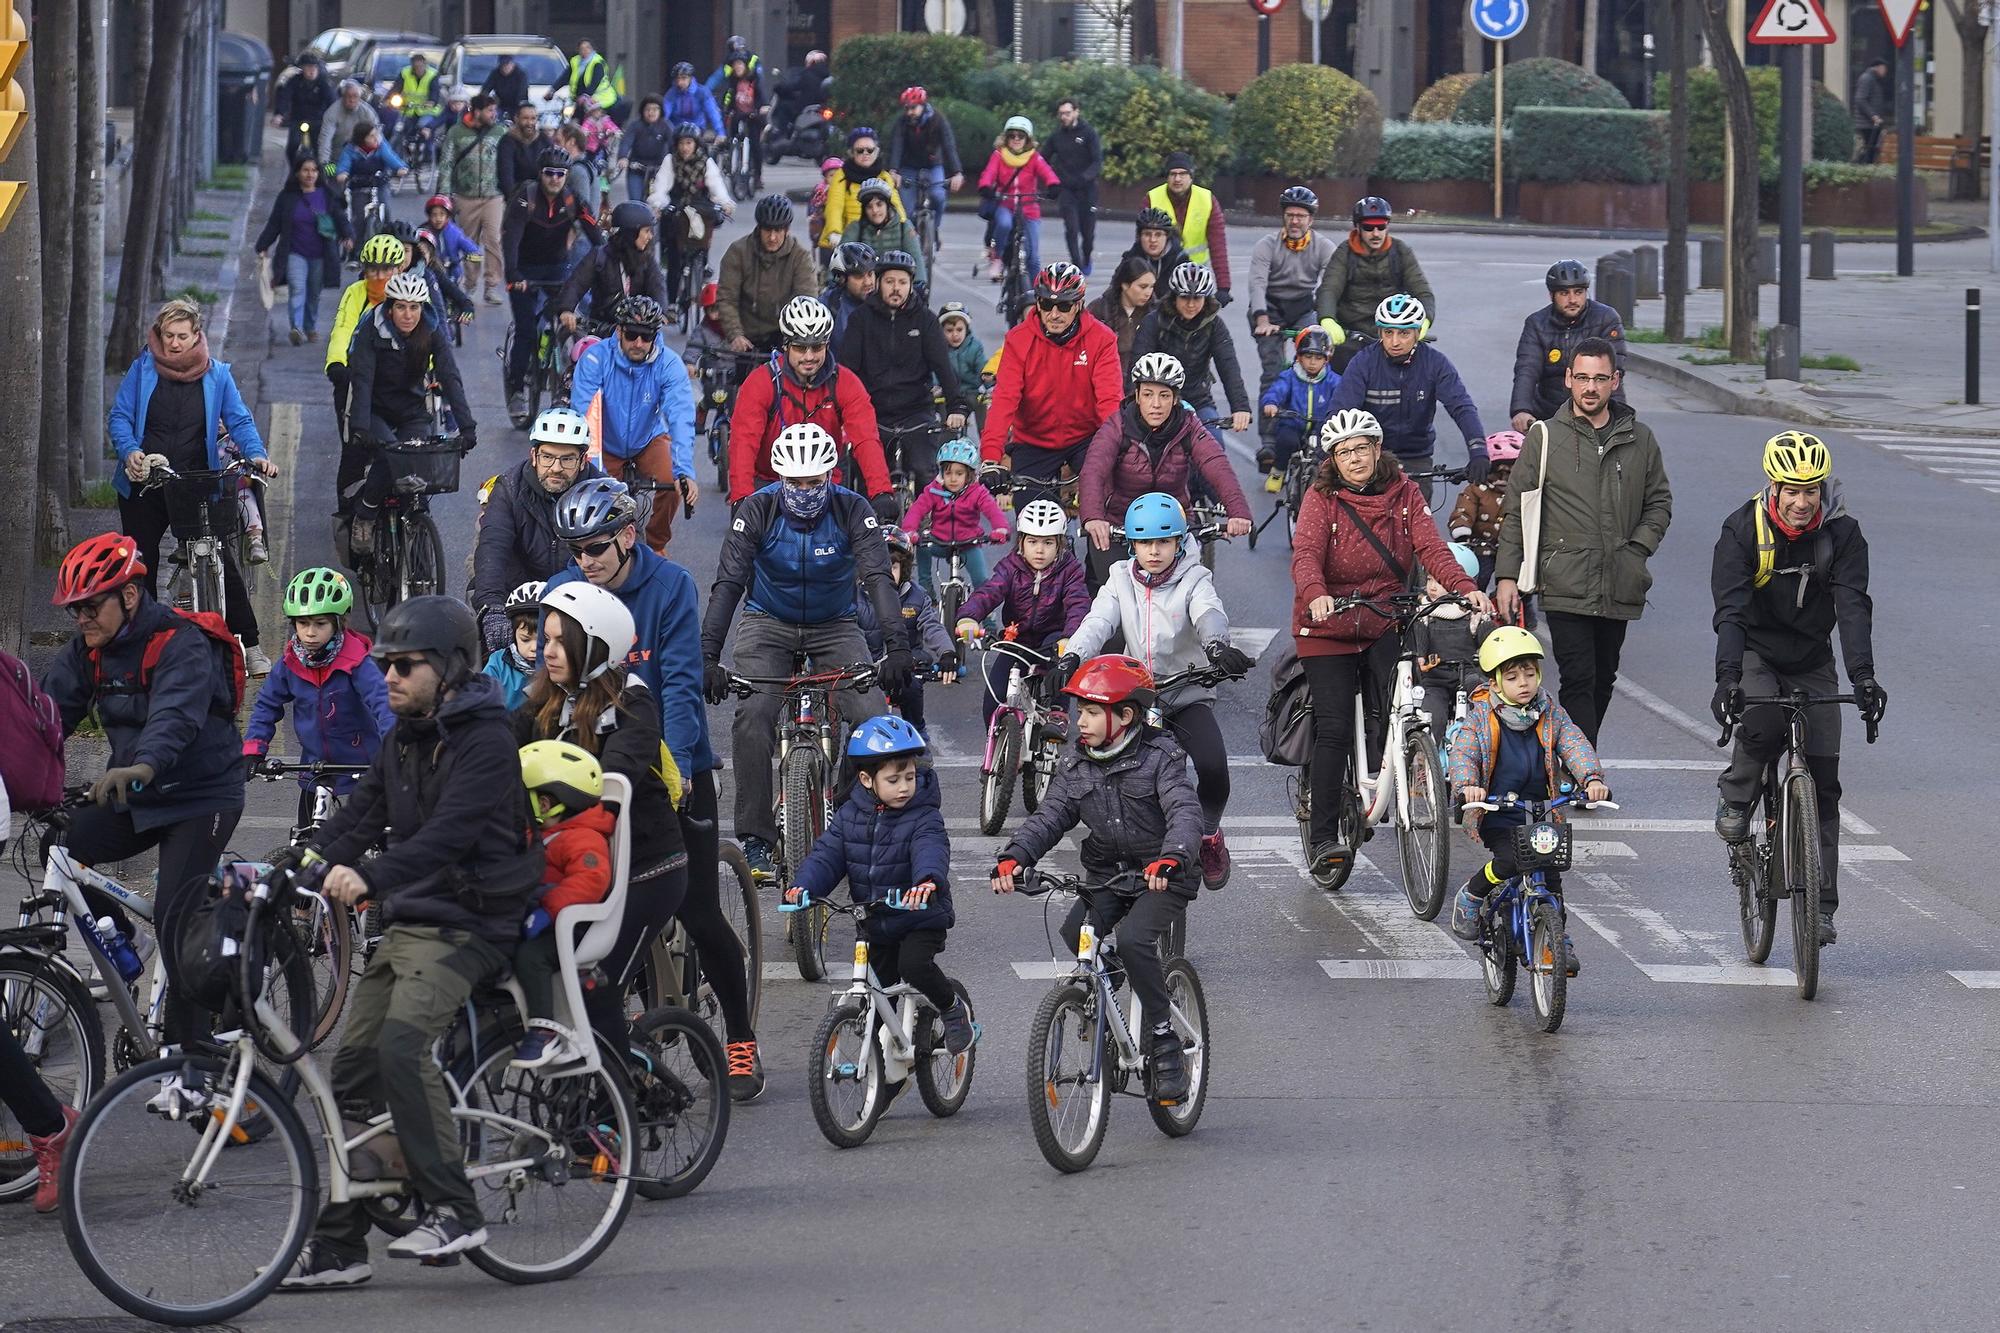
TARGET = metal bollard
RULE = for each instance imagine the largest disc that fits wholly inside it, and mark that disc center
(1713, 257)
(1614, 288)
(1972, 345)
(1819, 254)
(1781, 353)
(1767, 259)
(1646, 273)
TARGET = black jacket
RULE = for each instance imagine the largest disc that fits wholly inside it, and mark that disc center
(928, 143)
(508, 91)
(646, 144)
(1200, 345)
(897, 353)
(515, 161)
(1163, 268)
(1075, 154)
(608, 276)
(446, 793)
(628, 742)
(536, 229)
(1816, 582)
(1542, 358)
(1137, 807)
(302, 100)
(387, 378)
(277, 234)
(1874, 96)
(517, 540)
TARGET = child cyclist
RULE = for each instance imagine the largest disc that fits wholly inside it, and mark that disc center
(1517, 740)
(920, 619)
(1165, 604)
(1127, 783)
(336, 693)
(1306, 388)
(888, 841)
(1038, 589)
(968, 354)
(565, 788)
(958, 508)
(513, 663)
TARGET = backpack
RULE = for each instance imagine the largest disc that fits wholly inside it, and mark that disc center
(224, 644)
(1286, 735)
(31, 739)
(745, 98)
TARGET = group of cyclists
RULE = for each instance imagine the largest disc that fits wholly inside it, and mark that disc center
(845, 414)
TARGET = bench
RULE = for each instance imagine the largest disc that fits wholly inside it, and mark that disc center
(1960, 159)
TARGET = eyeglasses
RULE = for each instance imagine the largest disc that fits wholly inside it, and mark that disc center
(1045, 304)
(88, 608)
(402, 666)
(1355, 451)
(592, 549)
(1590, 381)
(639, 335)
(563, 460)
(1374, 226)
(869, 151)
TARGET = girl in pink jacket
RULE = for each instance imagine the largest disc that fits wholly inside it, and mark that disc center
(1012, 183)
(957, 509)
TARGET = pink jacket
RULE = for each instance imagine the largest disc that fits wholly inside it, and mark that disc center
(956, 518)
(1034, 176)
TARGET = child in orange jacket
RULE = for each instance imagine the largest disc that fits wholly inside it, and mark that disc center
(565, 787)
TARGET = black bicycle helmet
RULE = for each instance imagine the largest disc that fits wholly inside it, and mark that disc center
(901, 259)
(1568, 273)
(687, 129)
(1374, 208)
(1156, 219)
(639, 312)
(850, 258)
(593, 507)
(682, 67)
(402, 231)
(774, 210)
(442, 630)
(630, 216)
(1298, 196)
(551, 158)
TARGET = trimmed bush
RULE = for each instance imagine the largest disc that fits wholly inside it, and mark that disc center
(1539, 81)
(1434, 152)
(1441, 99)
(1820, 173)
(1141, 114)
(1307, 121)
(974, 126)
(870, 73)
(1562, 144)
(1832, 127)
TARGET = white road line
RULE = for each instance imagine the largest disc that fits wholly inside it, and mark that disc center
(1719, 974)
(1048, 971)
(1868, 851)
(1407, 969)
(1975, 979)
(1667, 765)
(1385, 922)
(1891, 437)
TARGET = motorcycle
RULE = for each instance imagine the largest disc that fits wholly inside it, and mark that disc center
(805, 134)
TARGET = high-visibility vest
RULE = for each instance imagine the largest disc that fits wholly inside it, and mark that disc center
(1194, 227)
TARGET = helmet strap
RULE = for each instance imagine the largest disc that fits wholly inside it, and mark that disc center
(1118, 737)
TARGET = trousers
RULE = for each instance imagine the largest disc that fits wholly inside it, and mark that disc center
(913, 958)
(766, 646)
(479, 218)
(1333, 683)
(1762, 737)
(1587, 650)
(1141, 921)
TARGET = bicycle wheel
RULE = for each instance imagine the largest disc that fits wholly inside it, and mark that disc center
(180, 1251)
(740, 905)
(844, 1076)
(1749, 867)
(568, 1182)
(541, 374)
(996, 784)
(1496, 961)
(1069, 1096)
(1802, 875)
(943, 1079)
(50, 1014)
(948, 605)
(1299, 786)
(1184, 994)
(206, 584)
(1039, 772)
(680, 1099)
(326, 932)
(423, 558)
(1548, 976)
(718, 452)
(802, 781)
(1424, 839)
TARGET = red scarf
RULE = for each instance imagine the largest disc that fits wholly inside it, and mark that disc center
(189, 366)
(1792, 533)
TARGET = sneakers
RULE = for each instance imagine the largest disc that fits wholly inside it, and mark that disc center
(1328, 860)
(1214, 861)
(439, 1234)
(958, 1033)
(994, 272)
(495, 298)
(312, 335)
(1170, 1078)
(175, 1100)
(1827, 935)
(1085, 265)
(1267, 461)
(255, 662)
(1275, 482)
(48, 1160)
(318, 1267)
(298, 335)
(1570, 965)
(259, 553)
(746, 1071)
(547, 1043)
(1732, 821)
(758, 853)
(1465, 913)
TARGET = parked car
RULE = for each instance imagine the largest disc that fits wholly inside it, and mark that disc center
(338, 47)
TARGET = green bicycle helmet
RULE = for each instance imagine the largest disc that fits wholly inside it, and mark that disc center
(318, 592)
(383, 251)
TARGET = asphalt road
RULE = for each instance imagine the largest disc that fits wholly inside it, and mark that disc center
(1696, 1148)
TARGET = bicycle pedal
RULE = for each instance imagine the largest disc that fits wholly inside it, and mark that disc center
(439, 1261)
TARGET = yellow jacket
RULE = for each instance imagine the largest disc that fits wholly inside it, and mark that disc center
(354, 303)
(843, 206)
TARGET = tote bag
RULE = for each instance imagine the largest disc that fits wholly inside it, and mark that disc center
(1531, 520)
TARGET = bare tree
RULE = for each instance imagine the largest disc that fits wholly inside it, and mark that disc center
(1740, 293)
(1676, 276)
(154, 132)
(55, 155)
(86, 320)
(1972, 66)
(20, 380)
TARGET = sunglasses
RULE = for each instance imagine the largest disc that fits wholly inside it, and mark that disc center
(1043, 303)
(555, 171)
(592, 549)
(1374, 226)
(869, 151)
(638, 335)
(403, 666)
(88, 608)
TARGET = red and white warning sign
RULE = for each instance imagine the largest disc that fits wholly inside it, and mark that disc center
(1793, 23)
(1899, 15)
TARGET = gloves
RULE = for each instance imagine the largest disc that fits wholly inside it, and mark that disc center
(286, 859)
(1229, 657)
(118, 784)
(1222, 296)
(1334, 331)
(251, 763)
(714, 681)
(1164, 867)
(887, 508)
(468, 440)
(1874, 699)
(495, 630)
(535, 923)
(947, 661)
(1728, 700)
(895, 674)
(1477, 465)
(1066, 666)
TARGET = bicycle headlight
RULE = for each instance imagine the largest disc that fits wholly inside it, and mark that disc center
(396, 100)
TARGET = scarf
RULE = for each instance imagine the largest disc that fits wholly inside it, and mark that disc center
(520, 663)
(1521, 717)
(1145, 580)
(1792, 533)
(805, 503)
(1300, 244)
(1016, 160)
(374, 289)
(1118, 746)
(186, 368)
(857, 173)
(319, 657)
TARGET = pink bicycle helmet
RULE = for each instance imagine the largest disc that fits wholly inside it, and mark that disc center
(830, 164)
(582, 345)
(1503, 446)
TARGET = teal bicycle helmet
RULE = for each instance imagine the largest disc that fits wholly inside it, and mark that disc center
(1153, 517)
(963, 452)
(1467, 561)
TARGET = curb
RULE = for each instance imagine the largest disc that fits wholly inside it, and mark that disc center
(1736, 401)
(225, 306)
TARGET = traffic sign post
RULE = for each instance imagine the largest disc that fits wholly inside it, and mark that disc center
(1499, 21)
(1792, 25)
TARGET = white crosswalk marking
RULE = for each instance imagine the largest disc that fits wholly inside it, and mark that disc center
(1972, 459)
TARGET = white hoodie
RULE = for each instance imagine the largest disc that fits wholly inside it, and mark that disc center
(1164, 627)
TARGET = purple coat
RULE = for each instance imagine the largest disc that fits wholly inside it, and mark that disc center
(1118, 468)
(1049, 604)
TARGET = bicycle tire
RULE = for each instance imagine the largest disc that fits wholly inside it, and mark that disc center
(1801, 862)
(949, 604)
(1299, 787)
(1050, 1038)
(996, 784)
(1548, 974)
(1185, 993)
(206, 585)
(718, 452)
(1038, 773)
(423, 572)
(662, 1099)
(1424, 838)
(43, 1004)
(329, 935)
(745, 912)
(944, 1080)
(802, 781)
(1497, 962)
(540, 375)
(1749, 867)
(826, 1069)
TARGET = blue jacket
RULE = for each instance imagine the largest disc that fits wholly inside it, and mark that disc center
(513, 680)
(696, 104)
(127, 423)
(1311, 399)
(1406, 398)
(455, 247)
(800, 574)
(877, 849)
(340, 712)
(928, 635)
(368, 168)
(643, 400)
(666, 608)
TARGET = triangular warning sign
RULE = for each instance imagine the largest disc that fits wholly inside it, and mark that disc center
(1899, 15)
(1792, 23)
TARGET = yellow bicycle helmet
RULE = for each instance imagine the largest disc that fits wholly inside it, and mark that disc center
(383, 250)
(1794, 458)
(561, 779)
(1504, 645)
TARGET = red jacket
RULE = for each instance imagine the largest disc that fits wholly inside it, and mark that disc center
(1331, 558)
(836, 401)
(577, 865)
(1052, 395)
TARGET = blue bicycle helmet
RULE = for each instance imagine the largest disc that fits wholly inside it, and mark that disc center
(1467, 561)
(959, 451)
(1153, 516)
(885, 737)
(593, 507)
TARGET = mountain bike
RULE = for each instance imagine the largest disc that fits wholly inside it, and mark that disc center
(1024, 736)
(197, 584)
(420, 150)
(925, 219)
(718, 369)
(873, 1038)
(684, 299)
(549, 369)
(1782, 858)
(46, 1007)
(1523, 920)
(1017, 282)
(1082, 1048)
(409, 555)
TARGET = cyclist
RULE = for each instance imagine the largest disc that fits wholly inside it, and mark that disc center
(590, 77)
(792, 559)
(451, 247)
(1548, 343)
(1198, 219)
(1790, 565)
(803, 87)
(1058, 382)
(1402, 381)
(955, 507)
(1187, 326)
(507, 84)
(382, 258)
(882, 229)
(760, 275)
(923, 155)
(1156, 243)
(899, 378)
(471, 179)
(520, 152)
(1285, 269)
(745, 106)
(921, 621)
(804, 385)
(418, 84)
(1127, 784)
(622, 267)
(597, 519)
(367, 163)
(645, 145)
(460, 863)
(299, 101)
(1304, 388)
(1475, 516)
(517, 541)
(1373, 267)
(863, 163)
(1078, 157)
(735, 49)
(336, 130)
(399, 352)
(1013, 181)
(1038, 589)
(690, 102)
(513, 663)
(692, 199)
(541, 214)
(850, 281)
(637, 396)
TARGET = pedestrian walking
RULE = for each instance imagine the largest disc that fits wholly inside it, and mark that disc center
(1874, 106)
(472, 173)
(304, 238)
(1077, 156)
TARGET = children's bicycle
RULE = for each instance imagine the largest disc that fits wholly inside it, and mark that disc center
(873, 1038)
(1024, 736)
(1523, 921)
(1300, 469)
(955, 588)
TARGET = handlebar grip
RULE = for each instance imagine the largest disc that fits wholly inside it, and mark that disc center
(1874, 729)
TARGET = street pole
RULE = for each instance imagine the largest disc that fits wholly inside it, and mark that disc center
(1906, 159)
(1791, 183)
(1318, 13)
(1499, 121)
(1991, 14)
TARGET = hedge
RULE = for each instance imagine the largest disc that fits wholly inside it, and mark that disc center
(1832, 127)
(1821, 173)
(1440, 100)
(1565, 144)
(1305, 122)
(870, 73)
(974, 126)
(1412, 151)
(1539, 81)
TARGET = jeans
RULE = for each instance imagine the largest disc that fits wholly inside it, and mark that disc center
(1079, 215)
(1038, 471)
(1587, 650)
(1142, 921)
(913, 958)
(1762, 736)
(146, 518)
(1333, 682)
(929, 180)
(527, 320)
(1031, 238)
(933, 568)
(304, 278)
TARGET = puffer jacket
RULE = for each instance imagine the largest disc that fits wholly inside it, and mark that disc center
(607, 274)
(895, 234)
(1475, 518)
(1565, 748)
(502, 665)
(927, 635)
(340, 712)
(633, 403)
(1541, 360)
(877, 850)
(963, 517)
(1138, 806)
(517, 542)
(628, 743)
(1605, 511)
(1331, 558)
(1164, 627)
(843, 201)
(1357, 280)
(577, 864)
(1204, 347)
(1126, 460)
(1048, 603)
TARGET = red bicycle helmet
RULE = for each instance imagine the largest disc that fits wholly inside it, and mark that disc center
(1061, 282)
(439, 201)
(97, 565)
(915, 96)
(1112, 679)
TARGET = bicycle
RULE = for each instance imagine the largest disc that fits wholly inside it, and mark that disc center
(338, 941)
(374, 216)
(873, 1038)
(926, 221)
(1082, 1048)
(420, 150)
(955, 588)
(548, 371)
(1523, 920)
(684, 300)
(902, 480)
(46, 1006)
(673, 966)
(1782, 858)
(737, 164)
(1207, 524)
(534, 1141)
(717, 369)
(1017, 289)
(1300, 469)
(409, 555)
(1025, 734)
(197, 584)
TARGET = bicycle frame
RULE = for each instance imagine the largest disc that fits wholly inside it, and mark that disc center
(1115, 1026)
(62, 897)
(1019, 701)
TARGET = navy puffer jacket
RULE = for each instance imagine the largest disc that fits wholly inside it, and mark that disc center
(877, 849)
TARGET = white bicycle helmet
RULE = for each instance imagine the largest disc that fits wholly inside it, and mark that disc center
(803, 451)
(1021, 123)
(1159, 368)
(1348, 423)
(805, 319)
(1043, 518)
(1401, 311)
(1192, 280)
(409, 285)
(561, 425)
(604, 620)
(525, 598)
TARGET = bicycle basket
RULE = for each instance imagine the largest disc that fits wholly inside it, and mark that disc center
(1544, 845)
(423, 466)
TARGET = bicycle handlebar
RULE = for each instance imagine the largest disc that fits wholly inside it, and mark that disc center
(271, 770)
(1032, 883)
(1798, 701)
(858, 677)
(1538, 808)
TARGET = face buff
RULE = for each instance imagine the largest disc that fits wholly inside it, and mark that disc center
(805, 503)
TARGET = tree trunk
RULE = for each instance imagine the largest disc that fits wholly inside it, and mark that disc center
(1740, 296)
(154, 129)
(1972, 66)
(142, 55)
(1146, 34)
(55, 155)
(1593, 11)
(20, 380)
(86, 321)
(1675, 278)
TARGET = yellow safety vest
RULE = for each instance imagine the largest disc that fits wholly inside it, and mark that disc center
(1194, 228)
